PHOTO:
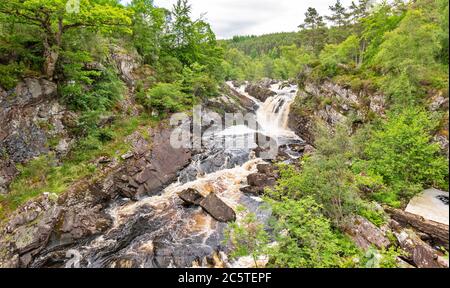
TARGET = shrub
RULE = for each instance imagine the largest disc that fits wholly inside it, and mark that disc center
(304, 236)
(100, 92)
(9, 75)
(401, 152)
(247, 237)
(165, 97)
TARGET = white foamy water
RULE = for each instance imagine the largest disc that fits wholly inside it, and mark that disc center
(159, 231)
(273, 114)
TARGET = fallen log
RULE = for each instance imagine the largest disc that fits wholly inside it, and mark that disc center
(437, 231)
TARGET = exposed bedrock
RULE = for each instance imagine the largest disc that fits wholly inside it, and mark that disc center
(50, 222)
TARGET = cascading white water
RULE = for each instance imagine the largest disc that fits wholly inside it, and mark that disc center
(273, 114)
(158, 231)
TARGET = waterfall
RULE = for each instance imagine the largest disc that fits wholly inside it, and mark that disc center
(273, 114)
(160, 231)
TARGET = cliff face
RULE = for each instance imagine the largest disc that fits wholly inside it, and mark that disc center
(330, 104)
(33, 123)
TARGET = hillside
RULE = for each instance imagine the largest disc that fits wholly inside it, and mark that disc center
(131, 137)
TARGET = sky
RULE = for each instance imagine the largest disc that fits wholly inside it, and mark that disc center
(252, 17)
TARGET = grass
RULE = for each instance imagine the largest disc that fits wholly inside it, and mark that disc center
(47, 174)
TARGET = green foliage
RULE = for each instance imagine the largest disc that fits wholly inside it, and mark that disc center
(343, 53)
(247, 237)
(89, 90)
(326, 176)
(409, 58)
(164, 97)
(53, 21)
(401, 153)
(259, 46)
(148, 24)
(385, 258)
(9, 75)
(304, 237)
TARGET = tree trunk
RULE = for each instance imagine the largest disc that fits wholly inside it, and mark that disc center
(51, 53)
(436, 230)
(51, 58)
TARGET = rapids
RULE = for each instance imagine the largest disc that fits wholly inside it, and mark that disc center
(159, 231)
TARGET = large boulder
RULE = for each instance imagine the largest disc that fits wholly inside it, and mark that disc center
(215, 207)
(191, 196)
(261, 180)
(257, 182)
(150, 167)
(259, 92)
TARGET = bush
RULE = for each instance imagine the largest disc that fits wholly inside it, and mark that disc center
(9, 75)
(198, 83)
(305, 238)
(326, 176)
(247, 237)
(89, 90)
(401, 152)
(165, 97)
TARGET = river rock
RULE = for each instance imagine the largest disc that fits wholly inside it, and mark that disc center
(261, 180)
(215, 207)
(191, 196)
(253, 190)
(260, 93)
(265, 168)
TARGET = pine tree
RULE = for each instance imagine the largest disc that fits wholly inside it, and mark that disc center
(314, 30)
(339, 16)
(312, 20)
(360, 10)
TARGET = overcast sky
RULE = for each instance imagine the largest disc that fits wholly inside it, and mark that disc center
(252, 17)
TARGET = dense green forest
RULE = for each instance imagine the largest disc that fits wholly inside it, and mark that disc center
(397, 48)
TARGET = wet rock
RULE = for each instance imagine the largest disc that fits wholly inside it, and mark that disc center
(145, 175)
(191, 196)
(365, 234)
(244, 101)
(261, 180)
(80, 223)
(266, 82)
(265, 168)
(215, 207)
(267, 147)
(252, 190)
(260, 93)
